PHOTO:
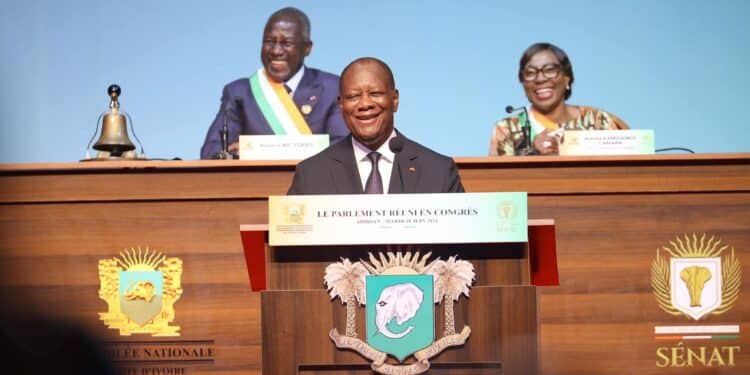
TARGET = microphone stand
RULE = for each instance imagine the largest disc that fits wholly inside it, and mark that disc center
(528, 148)
(225, 154)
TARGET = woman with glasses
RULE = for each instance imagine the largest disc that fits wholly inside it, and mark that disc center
(546, 75)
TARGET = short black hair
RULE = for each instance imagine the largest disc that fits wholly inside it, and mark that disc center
(372, 60)
(565, 64)
(291, 12)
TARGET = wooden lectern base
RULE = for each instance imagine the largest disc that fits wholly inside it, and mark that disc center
(503, 340)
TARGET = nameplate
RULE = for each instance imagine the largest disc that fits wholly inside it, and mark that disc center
(281, 147)
(608, 142)
(367, 219)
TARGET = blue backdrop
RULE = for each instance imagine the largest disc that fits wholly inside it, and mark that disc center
(675, 66)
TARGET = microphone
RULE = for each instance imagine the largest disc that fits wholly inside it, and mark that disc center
(396, 145)
(525, 128)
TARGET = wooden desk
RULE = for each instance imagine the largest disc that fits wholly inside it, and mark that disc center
(612, 213)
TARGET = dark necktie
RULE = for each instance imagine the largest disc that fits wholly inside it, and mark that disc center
(374, 183)
(288, 89)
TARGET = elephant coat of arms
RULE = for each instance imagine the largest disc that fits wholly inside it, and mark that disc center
(399, 291)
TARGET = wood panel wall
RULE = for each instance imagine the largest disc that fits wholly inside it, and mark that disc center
(611, 214)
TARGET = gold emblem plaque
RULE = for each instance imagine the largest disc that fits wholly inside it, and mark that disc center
(140, 288)
(698, 277)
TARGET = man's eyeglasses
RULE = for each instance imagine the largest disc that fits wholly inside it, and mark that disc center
(549, 71)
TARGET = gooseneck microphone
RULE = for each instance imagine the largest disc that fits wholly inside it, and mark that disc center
(396, 145)
(525, 128)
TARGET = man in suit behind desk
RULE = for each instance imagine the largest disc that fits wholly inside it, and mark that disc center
(260, 105)
(368, 98)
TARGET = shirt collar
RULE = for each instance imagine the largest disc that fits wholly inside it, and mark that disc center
(294, 81)
(361, 151)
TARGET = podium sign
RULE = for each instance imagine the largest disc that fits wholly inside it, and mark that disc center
(397, 219)
(608, 142)
(281, 147)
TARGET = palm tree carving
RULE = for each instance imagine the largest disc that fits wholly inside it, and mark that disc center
(346, 280)
(452, 279)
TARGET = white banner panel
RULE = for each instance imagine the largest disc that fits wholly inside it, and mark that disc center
(281, 147)
(397, 219)
(608, 142)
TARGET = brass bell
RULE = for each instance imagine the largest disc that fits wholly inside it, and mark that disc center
(114, 142)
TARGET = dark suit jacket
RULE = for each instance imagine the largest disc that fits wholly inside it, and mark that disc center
(416, 169)
(318, 89)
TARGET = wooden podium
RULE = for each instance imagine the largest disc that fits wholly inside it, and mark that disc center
(57, 220)
(297, 312)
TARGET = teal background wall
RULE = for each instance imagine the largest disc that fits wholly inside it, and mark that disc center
(675, 66)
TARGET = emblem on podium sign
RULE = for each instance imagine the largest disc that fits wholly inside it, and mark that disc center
(694, 278)
(140, 288)
(402, 319)
(399, 291)
(294, 213)
(700, 277)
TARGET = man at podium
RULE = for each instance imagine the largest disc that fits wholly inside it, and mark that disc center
(375, 158)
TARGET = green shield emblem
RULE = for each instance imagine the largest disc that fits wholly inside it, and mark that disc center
(141, 295)
(400, 313)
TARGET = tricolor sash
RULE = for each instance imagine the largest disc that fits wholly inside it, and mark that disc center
(277, 106)
(540, 122)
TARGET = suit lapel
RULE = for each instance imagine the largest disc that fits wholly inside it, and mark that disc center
(307, 93)
(345, 173)
(394, 187)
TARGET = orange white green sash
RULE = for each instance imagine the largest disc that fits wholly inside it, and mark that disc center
(277, 106)
(540, 122)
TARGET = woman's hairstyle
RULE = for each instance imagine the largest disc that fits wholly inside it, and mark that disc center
(565, 65)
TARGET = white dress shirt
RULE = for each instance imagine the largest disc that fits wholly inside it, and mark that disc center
(294, 80)
(385, 165)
